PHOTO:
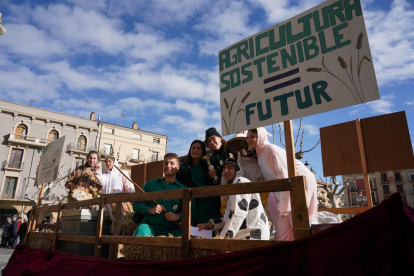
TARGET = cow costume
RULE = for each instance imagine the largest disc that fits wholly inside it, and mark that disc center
(244, 217)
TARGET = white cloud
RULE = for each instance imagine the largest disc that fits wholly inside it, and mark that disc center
(382, 106)
(391, 38)
(280, 10)
(227, 23)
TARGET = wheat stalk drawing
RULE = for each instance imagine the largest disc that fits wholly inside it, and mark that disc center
(344, 66)
(229, 109)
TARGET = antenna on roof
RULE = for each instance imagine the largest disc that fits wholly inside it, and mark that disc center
(61, 106)
(122, 116)
(31, 101)
(86, 102)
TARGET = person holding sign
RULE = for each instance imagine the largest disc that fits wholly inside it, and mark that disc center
(82, 183)
(193, 173)
(273, 165)
(244, 217)
(113, 181)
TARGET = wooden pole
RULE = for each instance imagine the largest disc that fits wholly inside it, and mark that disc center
(290, 148)
(364, 163)
(186, 224)
(300, 215)
(55, 237)
(114, 247)
(98, 245)
(35, 215)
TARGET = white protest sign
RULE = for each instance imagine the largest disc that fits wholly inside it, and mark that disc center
(50, 160)
(317, 61)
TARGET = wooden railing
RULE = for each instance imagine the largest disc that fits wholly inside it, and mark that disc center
(295, 185)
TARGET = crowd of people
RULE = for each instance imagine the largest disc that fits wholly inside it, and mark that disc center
(14, 231)
(247, 157)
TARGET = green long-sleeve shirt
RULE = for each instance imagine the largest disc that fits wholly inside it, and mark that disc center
(158, 221)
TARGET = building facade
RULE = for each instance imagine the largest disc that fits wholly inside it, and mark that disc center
(27, 130)
(382, 185)
(131, 146)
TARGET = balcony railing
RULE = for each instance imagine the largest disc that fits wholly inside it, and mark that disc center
(16, 165)
(384, 179)
(28, 140)
(399, 179)
(75, 148)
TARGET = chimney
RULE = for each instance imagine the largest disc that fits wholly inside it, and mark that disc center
(92, 116)
(134, 125)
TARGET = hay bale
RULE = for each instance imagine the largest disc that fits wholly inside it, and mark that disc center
(39, 243)
(162, 253)
(125, 226)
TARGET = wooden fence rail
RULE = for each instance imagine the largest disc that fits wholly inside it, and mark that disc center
(295, 185)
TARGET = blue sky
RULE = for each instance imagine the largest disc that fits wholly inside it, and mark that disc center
(156, 61)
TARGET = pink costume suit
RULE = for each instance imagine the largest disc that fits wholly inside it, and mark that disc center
(273, 165)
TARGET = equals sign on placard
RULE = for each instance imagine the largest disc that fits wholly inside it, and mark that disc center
(281, 77)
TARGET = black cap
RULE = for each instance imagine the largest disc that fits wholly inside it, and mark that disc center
(233, 162)
(212, 131)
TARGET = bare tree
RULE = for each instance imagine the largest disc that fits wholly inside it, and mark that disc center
(329, 193)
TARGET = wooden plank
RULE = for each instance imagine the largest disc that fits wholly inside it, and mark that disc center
(76, 238)
(349, 210)
(364, 163)
(83, 203)
(185, 224)
(230, 244)
(98, 247)
(290, 148)
(300, 216)
(130, 208)
(49, 208)
(114, 247)
(110, 212)
(132, 197)
(242, 188)
(32, 222)
(144, 241)
(387, 142)
(340, 153)
(42, 235)
(59, 215)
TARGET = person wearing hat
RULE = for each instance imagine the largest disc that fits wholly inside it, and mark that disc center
(247, 160)
(244, 217)
(193, 173)
(216, 155)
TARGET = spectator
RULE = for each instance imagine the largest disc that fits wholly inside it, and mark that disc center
(22, 230)
(5, 237)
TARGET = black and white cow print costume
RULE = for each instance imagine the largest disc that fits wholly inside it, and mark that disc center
(244, 217)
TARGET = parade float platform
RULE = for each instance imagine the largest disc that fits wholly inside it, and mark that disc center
(379, 241)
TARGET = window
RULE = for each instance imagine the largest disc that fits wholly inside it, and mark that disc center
(16, 159)
(374, 198)
(109, 130)
(412, 188)
(78, 162)
(108, 149)
(411, 176)
(81, 143)
(52, 136)
(398, 176)
(371, 185)
(135, 154)
(384, 177)
(154, 156)
(156, 140)
(10, 186)
(400, 189)
(136, 136)
(386, 189)
(21, 131)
